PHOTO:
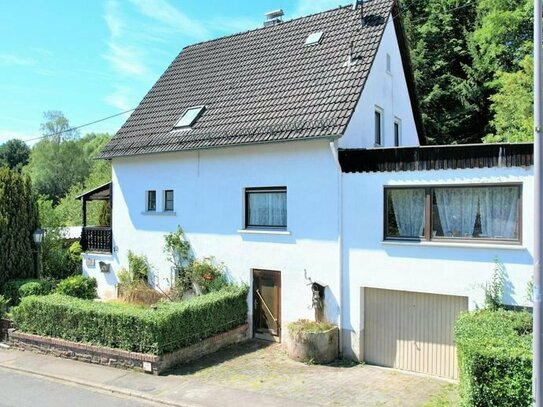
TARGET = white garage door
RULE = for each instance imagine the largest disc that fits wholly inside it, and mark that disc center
(411, 331)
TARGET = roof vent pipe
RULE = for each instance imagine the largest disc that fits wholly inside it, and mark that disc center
(274, 17)
(359, 4)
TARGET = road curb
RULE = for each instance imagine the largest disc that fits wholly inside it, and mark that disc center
(102, 387)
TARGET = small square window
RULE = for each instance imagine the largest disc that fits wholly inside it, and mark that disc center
(378, 126)
(151, 201)
(168, 200)
(266, 207)
(189, 116)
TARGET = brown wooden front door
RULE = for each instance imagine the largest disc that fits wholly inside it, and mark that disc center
(267, 305)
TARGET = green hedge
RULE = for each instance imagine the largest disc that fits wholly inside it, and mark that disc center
(164, 328)
(495, 357)
(14, 290)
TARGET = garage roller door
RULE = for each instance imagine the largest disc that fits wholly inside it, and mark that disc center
(412, 331)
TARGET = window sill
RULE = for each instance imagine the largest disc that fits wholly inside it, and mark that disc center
(466, 245)
(263, 232)
(154, 213)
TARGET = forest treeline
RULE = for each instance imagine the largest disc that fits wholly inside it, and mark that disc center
(473, 67)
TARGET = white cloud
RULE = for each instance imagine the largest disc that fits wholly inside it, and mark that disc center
(125, 59)
(7, 134)
(306, 7)
(11, 59)
(162, 11)
(120, 98)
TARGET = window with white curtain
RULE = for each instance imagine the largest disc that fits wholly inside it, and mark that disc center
(266, 207)
(482, 212)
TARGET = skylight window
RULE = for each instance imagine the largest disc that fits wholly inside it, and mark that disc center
(314, 38)
(189, 116)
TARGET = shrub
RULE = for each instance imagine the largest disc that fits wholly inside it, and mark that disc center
(209, 275)
(495, 357)
(137, 266)
(14, 290)
(165, 327)
(59, 260)
(78, 286)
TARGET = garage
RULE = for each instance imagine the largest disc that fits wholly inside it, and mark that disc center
(411, 331)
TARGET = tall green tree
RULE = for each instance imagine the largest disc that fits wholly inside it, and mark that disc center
(58, 161)
(14, 154)
(438, 32)
(18, 220)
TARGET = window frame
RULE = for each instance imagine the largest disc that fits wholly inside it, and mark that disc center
(428, 215)
(388, 64)
(247, 191)
(200, 110)
(148, 207)
(397, 136)
(165, 196)
(379, 137)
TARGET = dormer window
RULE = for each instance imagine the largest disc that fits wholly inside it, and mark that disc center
(189, 117)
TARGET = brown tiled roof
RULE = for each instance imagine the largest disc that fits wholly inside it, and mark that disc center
(260, 86)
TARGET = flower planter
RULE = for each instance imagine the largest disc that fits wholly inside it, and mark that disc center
(313, 347)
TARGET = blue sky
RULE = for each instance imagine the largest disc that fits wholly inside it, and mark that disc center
(92, 59)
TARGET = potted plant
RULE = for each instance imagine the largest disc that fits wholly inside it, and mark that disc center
(312, 342)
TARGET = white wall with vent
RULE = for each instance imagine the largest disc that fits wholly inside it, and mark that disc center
(387, 90)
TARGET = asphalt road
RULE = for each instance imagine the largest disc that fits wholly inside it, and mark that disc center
(22, 390)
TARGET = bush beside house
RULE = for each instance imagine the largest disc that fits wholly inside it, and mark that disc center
(78, 286)
(160, 329)
(495, 357)
(16, 289)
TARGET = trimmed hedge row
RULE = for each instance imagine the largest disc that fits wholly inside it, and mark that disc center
(14, 290)
(164, 328)
(495, 358)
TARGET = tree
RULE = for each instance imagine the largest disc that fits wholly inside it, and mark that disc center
(437, 31)
(14, 154)
(58, 162)
(512, 105)
(18, 220)
(57, 128)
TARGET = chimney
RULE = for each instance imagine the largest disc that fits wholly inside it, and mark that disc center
(273, 17)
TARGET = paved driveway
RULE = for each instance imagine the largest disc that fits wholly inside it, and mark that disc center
(264, 368)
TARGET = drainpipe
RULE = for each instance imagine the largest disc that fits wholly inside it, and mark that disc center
(333, 149)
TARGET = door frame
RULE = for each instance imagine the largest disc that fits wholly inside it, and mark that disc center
(277, 277)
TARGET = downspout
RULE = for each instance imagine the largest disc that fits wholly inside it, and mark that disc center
(333, 149)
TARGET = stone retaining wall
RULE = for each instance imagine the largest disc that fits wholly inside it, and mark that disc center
(5, 325)
(124, 359)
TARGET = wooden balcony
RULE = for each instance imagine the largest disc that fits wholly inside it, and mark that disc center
(97, 239)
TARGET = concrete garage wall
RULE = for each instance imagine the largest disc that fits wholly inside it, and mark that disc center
(459, 269)
(209, 204)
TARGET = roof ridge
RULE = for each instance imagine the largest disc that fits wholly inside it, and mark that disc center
(339, 7)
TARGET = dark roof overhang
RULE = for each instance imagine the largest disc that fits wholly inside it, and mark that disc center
(101, 193)
(459, 156)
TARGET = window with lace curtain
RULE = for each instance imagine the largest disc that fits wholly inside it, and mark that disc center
(474, 213)
(266, 207)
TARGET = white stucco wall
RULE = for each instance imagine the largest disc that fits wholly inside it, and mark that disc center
(387, 90)
(209, 205)
(440, 268)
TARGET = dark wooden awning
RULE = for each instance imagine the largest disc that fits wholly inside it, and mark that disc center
(101, 193)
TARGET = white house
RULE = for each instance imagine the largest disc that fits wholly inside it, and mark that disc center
(292, 152)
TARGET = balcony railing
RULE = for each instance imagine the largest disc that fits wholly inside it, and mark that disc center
(96, 239)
